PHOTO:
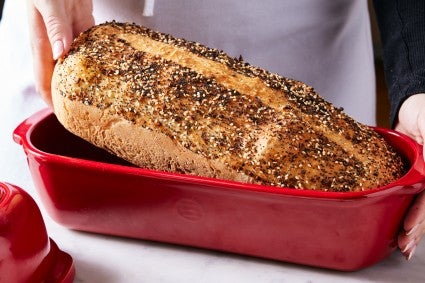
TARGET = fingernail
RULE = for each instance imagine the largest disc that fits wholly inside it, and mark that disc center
(412, 230)
(57, 49)
(408, 246)
(411, 253)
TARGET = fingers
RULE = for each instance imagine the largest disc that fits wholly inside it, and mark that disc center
(411, 118)
(411, 121)
(53, 25)
(414, 227)
(43, 62)
(58, 24)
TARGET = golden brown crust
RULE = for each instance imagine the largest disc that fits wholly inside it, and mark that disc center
(174, 105)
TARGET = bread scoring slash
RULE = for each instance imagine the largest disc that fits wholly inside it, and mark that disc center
(170, 104)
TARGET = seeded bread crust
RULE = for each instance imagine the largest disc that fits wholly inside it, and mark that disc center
(170, 104)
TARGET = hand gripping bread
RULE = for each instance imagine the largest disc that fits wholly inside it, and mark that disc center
(170, 104)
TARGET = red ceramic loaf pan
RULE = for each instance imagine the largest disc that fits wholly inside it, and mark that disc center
(27, 254)
(87, 189)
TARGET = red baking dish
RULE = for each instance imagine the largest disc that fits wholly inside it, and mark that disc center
(86, 188)
(27, 254)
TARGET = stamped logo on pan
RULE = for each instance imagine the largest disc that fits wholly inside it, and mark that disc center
(189, 209)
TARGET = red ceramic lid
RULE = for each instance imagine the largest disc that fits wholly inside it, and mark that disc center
(27, 254)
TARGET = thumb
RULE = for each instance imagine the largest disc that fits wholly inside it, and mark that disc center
(58, 25)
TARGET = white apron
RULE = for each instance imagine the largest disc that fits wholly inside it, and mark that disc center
(326, 44)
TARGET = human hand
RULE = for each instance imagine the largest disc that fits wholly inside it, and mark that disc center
(53, 25)
(411, 121)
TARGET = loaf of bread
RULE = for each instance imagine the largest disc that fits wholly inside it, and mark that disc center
(170, 104)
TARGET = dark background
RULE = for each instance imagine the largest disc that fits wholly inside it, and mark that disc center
(1, 7)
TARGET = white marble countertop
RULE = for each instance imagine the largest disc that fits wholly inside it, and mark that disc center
(106, 259)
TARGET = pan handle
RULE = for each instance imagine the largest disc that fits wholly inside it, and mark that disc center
(414, 179)
(23, 128)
